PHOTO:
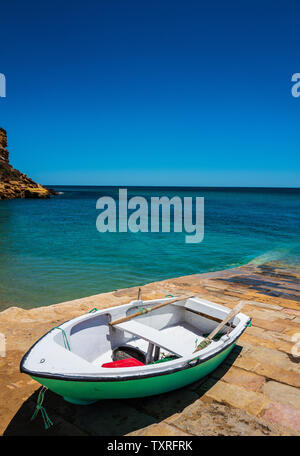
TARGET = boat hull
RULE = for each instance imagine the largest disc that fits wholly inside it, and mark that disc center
(92, 390)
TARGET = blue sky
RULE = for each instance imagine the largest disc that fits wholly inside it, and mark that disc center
(152, 93)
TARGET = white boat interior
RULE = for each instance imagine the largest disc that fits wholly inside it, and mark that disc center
(80, 346)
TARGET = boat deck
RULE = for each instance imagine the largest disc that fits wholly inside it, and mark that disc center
(183, 337)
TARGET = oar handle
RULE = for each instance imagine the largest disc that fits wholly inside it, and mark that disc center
(231, 314)
(143, 311)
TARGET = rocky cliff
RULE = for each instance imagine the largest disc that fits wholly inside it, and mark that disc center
(13, 183)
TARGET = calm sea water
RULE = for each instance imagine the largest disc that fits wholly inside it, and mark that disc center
(50, 250)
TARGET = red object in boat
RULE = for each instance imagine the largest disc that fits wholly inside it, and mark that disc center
(128, 362)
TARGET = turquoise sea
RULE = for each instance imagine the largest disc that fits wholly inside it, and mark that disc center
(51, 251)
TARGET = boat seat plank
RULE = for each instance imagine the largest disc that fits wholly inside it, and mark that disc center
(154, 336)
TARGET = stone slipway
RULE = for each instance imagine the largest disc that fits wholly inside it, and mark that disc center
(255, 392)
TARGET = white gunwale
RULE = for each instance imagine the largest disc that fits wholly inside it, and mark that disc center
(92, 339)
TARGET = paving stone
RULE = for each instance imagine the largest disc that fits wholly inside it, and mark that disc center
(253, 304)
(220, 419)
(279, 326)
(260, 333)
(236, 396)
(269, 315)
(289, 304)
(284, 415)
(111, 418)
(291, 332)
(278, 301)
(292, 311)
(284, 394)
(237, 376)
(281, 375)
(158, 430)
(22, 425)
(264, 355)
(165, 405)
(269, 364)
(268, 342)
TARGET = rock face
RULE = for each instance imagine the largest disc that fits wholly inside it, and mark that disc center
(3, 145)
(14, 184)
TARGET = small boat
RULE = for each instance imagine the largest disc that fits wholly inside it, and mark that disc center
(138, 349)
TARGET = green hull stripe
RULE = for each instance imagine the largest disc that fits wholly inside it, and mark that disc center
(84, 392)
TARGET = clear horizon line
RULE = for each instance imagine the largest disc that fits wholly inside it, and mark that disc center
(171, 186)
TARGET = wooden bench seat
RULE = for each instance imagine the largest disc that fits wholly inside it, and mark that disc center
(154, 336)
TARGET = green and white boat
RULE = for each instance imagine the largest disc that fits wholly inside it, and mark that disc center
(77, 359)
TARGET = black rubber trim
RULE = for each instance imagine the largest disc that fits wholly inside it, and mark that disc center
(113, 378)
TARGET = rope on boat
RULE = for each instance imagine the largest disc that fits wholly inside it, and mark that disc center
(249, 323)
(39, 407)
(65, 338)
(144, 310)
(229, 329)
(193, 362)
(93, 310)
(203, 344)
